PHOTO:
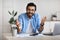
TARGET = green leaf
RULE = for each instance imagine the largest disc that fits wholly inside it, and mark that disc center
(15, 21)
(15, 14)
(9, 12)
(11, 20)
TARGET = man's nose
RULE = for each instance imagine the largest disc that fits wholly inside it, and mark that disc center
(30, 11)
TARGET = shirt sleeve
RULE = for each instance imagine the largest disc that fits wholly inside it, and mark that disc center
(38, 21)
(20, 20)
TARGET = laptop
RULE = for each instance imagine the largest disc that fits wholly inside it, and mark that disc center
(56, 30)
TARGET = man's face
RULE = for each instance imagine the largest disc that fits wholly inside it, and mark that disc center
(30, 11)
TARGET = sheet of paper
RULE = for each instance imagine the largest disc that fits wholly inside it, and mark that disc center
(23, 35)
(27, 35)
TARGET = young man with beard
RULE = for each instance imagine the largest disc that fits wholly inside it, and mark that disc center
(30, 21)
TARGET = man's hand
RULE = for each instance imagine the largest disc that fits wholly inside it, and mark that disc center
(43, 20)
(42, 23)
(18, 26)
(17, 23)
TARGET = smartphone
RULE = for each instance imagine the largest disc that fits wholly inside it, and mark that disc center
(34, 34)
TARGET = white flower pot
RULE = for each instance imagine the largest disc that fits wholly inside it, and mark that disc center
(54, 18)
(14, 29)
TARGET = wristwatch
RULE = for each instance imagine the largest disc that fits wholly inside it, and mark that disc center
(42, 24)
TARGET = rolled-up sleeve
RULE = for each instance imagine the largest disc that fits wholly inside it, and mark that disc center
(20, 19)
(38, 21)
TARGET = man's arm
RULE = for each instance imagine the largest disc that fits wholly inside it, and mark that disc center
(42, 24)
(41, 27)
(18, 26)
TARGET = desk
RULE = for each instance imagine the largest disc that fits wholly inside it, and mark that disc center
(8, 36)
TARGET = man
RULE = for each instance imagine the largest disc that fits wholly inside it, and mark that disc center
(30, 21)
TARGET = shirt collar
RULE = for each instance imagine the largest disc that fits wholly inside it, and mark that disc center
(31, 17)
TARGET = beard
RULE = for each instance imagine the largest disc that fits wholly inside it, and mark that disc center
(30, 14)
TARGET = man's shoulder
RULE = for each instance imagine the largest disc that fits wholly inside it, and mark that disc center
(22, 14)
(36, 14)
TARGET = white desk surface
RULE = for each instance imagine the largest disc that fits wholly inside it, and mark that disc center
(8, 36)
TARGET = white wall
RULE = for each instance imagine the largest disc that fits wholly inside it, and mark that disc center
(44, 8)
(0, 19)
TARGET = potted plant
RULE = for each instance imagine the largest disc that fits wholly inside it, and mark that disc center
(54, 18)
(12, 21)
(13, 14)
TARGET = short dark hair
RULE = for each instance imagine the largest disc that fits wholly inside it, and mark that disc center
(31, 4)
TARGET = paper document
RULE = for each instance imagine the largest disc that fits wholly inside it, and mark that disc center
(28, 35)
(23, 35)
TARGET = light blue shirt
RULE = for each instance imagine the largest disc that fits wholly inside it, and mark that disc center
(35, 22)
